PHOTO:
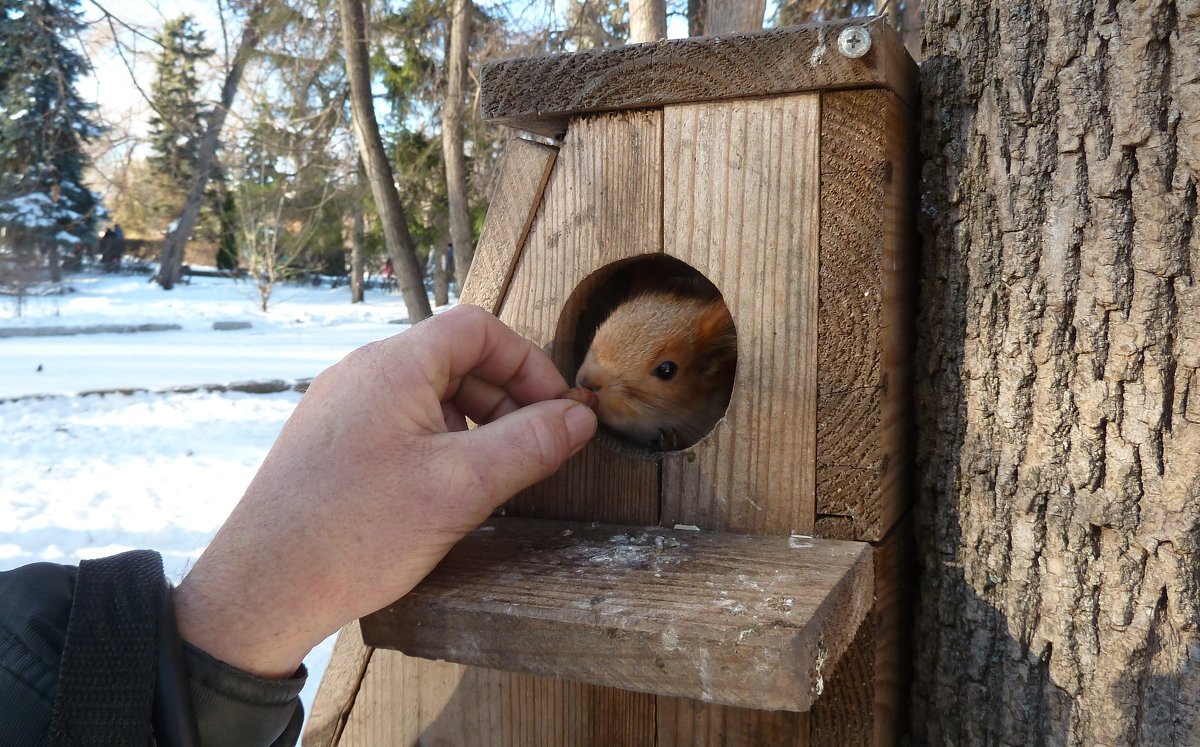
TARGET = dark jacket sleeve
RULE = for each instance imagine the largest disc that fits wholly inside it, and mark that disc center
(35, 604)
(46, 609)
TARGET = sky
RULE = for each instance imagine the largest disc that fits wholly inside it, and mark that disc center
(117, 78)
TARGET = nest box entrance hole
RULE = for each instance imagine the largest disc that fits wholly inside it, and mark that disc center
(664, 361)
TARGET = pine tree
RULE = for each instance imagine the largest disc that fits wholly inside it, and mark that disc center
(177, 124)
(44, 127)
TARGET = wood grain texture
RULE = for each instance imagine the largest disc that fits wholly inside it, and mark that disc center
(514, 204)
(689, 723)
(899, 312)
(409, 701)
(844, 714)
(602, 205)
(339, 688)
(724, 618)
(865, 317)
(740, 205)
(540, 94)
(895, 594)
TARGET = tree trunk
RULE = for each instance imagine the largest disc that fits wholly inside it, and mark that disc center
(379, 171)
(647, 20)
(352, 226)
(452, 137)
(1059, 387)
(728, 16)
(441, 278)
(908, 18)
(696, 10)
(171, 257)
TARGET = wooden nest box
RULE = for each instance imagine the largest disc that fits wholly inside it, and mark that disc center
(748, 589)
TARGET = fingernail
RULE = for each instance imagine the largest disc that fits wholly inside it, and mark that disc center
(581, 425)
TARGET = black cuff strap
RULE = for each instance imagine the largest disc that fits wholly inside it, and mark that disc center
(106, 676)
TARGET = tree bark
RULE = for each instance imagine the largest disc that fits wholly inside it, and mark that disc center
(379, 171)
(441, 278)
(171, 256)
(452, 137)
(1058, 365)
(647, 20)
(696, 10)
(352, 228)
(729, 16)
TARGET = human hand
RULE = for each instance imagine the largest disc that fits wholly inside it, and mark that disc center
(372, 481)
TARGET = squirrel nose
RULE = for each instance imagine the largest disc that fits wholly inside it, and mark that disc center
(583, 381)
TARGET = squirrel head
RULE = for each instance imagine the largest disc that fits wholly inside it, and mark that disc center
(661, 366)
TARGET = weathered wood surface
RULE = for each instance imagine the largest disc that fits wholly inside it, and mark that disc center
(690, 723)
(339, 688)
(407, 701)
(514, 204)
(844, 715)
(724, 618)
(602, 205)
(741, 196)
(866, 701)
(864, 429)
(540, 94)
(895, 598)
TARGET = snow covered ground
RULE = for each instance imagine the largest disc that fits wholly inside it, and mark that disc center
(88, 476)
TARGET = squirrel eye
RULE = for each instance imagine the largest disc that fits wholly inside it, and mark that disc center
(666, 370)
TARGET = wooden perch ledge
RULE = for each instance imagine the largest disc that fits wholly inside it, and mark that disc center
(731, 619)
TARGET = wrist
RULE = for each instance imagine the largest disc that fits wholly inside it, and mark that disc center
(235, 631)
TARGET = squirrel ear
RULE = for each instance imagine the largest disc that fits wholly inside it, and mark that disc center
(715, 326)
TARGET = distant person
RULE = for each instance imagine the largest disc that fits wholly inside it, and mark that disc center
(118, 244)
(389, 275)
(373, 479)
(108, 250)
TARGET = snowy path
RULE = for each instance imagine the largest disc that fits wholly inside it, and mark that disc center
(83, 477)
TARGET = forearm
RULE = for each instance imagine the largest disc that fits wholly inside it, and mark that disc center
(37, 604)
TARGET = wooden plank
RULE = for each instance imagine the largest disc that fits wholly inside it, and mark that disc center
(515, 200)
(409, 701)
(895, 592)
(399, 699)
(729, 170)
(540, 94)
(845, 713)
(602, 206)
(724, 618)
(693, 724)
(865, 318)
(741, 205)
(895, 589)
(339, 688)
(899, 313)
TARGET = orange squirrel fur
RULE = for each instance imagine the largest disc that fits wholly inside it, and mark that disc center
(661, 366)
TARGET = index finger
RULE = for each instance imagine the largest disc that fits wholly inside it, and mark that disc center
(468, 340)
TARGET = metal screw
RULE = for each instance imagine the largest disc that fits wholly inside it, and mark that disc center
(854, 41)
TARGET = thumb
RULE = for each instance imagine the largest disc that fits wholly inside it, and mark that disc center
(529, 444)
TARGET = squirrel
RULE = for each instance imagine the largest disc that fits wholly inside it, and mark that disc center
(661, 366)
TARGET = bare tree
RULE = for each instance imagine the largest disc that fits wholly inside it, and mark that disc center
(352, 233)
(647, 20)
(1059, 395)
(696, 11)
(379, 170)
(171, 258)
(728, 16)
(457, 43)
